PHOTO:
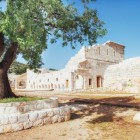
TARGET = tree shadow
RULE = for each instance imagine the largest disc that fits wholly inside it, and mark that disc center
(105, 109)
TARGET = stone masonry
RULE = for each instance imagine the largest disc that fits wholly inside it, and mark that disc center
(83, 71)
(18, 116)
(124, 76)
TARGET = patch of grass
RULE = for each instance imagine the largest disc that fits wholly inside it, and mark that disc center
(20, 99)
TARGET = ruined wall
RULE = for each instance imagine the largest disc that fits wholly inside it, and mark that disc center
(113, 53)
(75, 60)
(124, 76)
(21, 81)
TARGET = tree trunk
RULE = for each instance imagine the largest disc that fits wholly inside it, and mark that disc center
(8, 58)
(5, 89)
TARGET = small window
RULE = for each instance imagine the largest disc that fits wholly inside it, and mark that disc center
(48, 80)
(56, 79)
(99, 50)
(114, 53)
(90, 82)
(77, 77)
(107, 51)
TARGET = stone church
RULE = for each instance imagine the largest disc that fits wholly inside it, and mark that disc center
(83, 71)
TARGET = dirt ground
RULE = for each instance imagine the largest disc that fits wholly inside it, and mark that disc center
(99, 122)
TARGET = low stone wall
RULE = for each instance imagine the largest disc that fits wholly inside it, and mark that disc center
(20, 116)
(23, 107)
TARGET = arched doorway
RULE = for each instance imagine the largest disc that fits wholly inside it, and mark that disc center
(78, 82)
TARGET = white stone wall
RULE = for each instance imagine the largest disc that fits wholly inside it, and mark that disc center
(32, 114)
(51, 80)
(124, 76)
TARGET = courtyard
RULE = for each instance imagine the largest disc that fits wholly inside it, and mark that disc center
(105, 118)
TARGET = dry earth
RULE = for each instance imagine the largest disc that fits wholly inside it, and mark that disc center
(99, 122)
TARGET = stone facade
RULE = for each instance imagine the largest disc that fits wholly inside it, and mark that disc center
(124, 76)
(83, 71)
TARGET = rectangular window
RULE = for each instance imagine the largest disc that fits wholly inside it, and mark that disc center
(90, 82)
(107, 51)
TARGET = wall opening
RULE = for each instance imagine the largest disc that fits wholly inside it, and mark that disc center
(99, 81)
(67, 83)
(107, 52)
(90, 83)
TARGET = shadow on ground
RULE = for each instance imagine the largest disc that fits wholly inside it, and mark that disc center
(105, 108)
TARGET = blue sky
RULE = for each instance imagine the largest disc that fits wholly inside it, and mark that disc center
(122, 18)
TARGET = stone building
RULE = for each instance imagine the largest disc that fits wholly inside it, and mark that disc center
(83, 71)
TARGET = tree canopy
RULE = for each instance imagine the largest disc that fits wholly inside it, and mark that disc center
(18, 68)
(27, 26)
(32, 23)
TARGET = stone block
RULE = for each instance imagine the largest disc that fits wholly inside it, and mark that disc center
(46, 105)
(7, 128)
(39, 106)
(56, 111)
(50, 113)
(27, 125)
(33, 116)
(11, 110)
(17, 127)
(23, 118)
(4, 120)
(47, 120)
(32, 107)
(60, 119)
(13, 119)
(21, 109)
(42, 114)
(62, 112)
(54, 119)
(38, 122)
(2, 110)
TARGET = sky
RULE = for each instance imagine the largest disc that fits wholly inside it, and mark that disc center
(122, 21)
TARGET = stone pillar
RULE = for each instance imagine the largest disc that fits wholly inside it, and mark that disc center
(84, 80)
(72, 81)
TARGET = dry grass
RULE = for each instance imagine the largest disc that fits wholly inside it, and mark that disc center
(114, 129)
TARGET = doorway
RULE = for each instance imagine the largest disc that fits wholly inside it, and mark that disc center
(99, 81)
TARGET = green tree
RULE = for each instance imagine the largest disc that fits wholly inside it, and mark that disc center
(26, 27)
(18, 68)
